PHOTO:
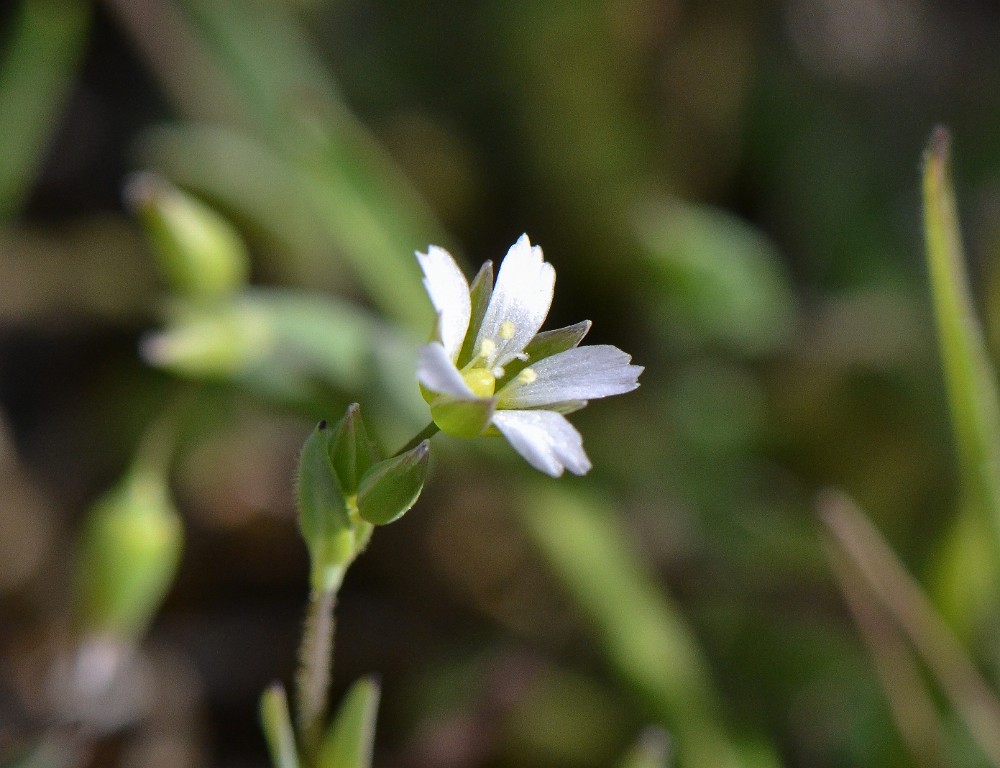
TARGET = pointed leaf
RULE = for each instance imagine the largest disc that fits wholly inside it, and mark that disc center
(43, 44)
(350, 739)
(972, 388)
(277, 726)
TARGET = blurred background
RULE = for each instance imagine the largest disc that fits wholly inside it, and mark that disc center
(729, 190)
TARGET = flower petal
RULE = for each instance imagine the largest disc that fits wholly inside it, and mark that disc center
(437, 373)
(521, 300)
(545, 439)
(581, 373)
(449, 293)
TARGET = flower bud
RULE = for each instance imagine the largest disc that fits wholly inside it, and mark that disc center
(391, 487)
(130, 549)
(209, 342)
(323, 516)
(351, 451)
(200, 254)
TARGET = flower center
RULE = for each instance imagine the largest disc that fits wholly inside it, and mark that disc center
(481, 381)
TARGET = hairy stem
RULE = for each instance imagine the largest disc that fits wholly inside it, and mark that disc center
(315, 663)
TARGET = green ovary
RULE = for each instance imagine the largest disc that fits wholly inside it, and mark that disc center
(481, 381)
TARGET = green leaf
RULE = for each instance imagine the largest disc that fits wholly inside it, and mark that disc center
(969, 377)
(350, 739)
(718, 279)
(390, 488)
(323, 516)
(42, 50)
(367, 210)
(277, 726)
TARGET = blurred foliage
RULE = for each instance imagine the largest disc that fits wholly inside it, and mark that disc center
(728, 190)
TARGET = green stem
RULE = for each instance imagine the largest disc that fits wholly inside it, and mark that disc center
(426, 433)
(315, 663)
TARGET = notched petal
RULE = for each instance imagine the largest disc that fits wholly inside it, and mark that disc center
(545, 439)
(521, 300)
(449, 293)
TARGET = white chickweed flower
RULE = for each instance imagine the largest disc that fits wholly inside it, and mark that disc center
(488, 368)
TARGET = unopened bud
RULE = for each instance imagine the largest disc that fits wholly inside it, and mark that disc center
(210, 341)
(351, 451)
(391, 487)
(323, 517)
(200, 254)
(130, 550)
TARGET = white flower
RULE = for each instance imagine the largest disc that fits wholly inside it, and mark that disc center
(489, 369)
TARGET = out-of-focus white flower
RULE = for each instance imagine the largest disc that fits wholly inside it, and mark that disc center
(489, 369)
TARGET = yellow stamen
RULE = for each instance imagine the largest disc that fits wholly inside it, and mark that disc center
(487, 348)
(507, 330)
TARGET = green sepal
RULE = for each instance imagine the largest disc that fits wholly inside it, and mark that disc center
(129, 552)
(323, 516)
(391, 487)
(351, 451)
(277, 726)
(479, 294)
(200, 254)
(546, 344)
(350, 739)
(462, 418)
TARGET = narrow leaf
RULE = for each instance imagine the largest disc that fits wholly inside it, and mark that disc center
(350, 740)
(641, 631)
(277, 726)
(972, 389)
(42, 51)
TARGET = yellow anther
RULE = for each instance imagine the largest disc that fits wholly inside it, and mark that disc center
(507, 330)
(487, 348)
(527, 376)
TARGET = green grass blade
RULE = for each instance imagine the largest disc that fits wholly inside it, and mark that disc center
(42, 52)
(969, 377)
(641, 631)
(372, 216)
